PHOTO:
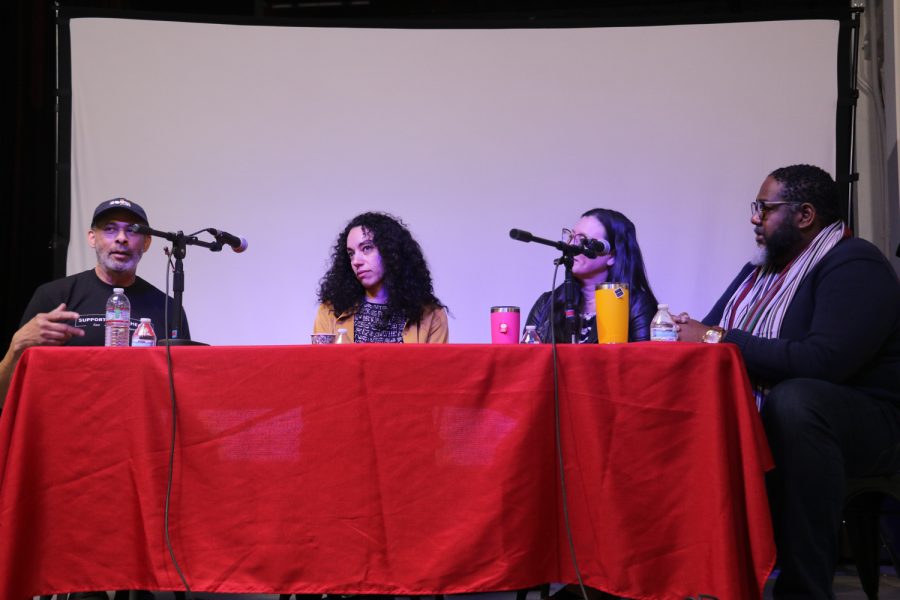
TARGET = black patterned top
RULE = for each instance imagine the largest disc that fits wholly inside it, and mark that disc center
(371, 324)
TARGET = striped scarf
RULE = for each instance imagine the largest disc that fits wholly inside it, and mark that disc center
(759, 304)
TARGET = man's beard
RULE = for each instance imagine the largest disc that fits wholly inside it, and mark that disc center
(114, 266)
(778, 248)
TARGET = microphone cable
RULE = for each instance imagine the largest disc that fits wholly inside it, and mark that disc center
(558, 435)
(170, 268)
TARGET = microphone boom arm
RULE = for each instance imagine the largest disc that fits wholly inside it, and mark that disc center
(566, 249)
(180, 242)
(177, 238)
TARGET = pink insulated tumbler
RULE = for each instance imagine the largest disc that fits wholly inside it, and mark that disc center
(504, 324)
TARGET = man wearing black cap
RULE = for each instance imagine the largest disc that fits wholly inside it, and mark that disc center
(71, 311)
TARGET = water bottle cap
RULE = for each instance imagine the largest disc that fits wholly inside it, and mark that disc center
(342, 330)
(118, 290)
(662, 306)
(530, 327)
(145, 319)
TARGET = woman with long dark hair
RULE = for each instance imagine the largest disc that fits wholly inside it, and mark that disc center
(623, 264)
(378, 287)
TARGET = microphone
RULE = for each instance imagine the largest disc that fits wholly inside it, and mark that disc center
(599, 247)
(238, 244)
(590, 248)
(520, 235)
(180, 240)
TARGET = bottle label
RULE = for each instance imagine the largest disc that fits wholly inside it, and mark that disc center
(143, 342)
(663, 335)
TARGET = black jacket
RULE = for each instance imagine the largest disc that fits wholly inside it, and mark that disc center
(842, 326)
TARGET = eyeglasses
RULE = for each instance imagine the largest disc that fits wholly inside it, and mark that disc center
(574, 239)
(762, 207)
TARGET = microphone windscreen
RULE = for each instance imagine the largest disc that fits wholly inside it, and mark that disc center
(601, 247)
(520, 235)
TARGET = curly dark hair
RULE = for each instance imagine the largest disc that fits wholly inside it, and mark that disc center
(808, 183)
(406, 276)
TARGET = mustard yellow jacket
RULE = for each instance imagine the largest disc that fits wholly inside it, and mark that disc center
(431, 329)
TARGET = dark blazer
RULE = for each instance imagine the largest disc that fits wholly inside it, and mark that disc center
(842, 326)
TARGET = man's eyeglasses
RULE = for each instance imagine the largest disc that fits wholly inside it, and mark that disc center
(574, 239)
(762, 207)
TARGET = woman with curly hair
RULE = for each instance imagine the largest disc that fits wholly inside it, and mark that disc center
(378, 287)
(623, 264)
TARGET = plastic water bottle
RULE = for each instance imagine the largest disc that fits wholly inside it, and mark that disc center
(144, 336)
(342, 337)
(662, 327)
(531, 335)
(118, 318)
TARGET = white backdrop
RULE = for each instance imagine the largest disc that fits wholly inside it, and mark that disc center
(282, 134)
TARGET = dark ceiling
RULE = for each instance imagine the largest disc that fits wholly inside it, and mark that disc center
(471, 12)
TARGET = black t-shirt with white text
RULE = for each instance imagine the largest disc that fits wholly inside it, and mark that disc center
(86, 294)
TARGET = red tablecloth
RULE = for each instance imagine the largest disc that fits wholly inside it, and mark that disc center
(384, 469)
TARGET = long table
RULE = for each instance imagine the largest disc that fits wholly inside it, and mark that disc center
(384, 469)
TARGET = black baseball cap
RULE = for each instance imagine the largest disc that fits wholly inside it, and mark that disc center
(120, 204)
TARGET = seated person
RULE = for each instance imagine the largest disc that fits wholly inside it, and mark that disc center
(816, 317)
(623, 264)
(72, 311)
(378, 287)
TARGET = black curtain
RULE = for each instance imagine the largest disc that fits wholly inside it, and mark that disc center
(27, 146)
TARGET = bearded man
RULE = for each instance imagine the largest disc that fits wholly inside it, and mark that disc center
(816, 316)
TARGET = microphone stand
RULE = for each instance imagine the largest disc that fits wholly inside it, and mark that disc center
(569, 291)
(180, 242)
(569, 252)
